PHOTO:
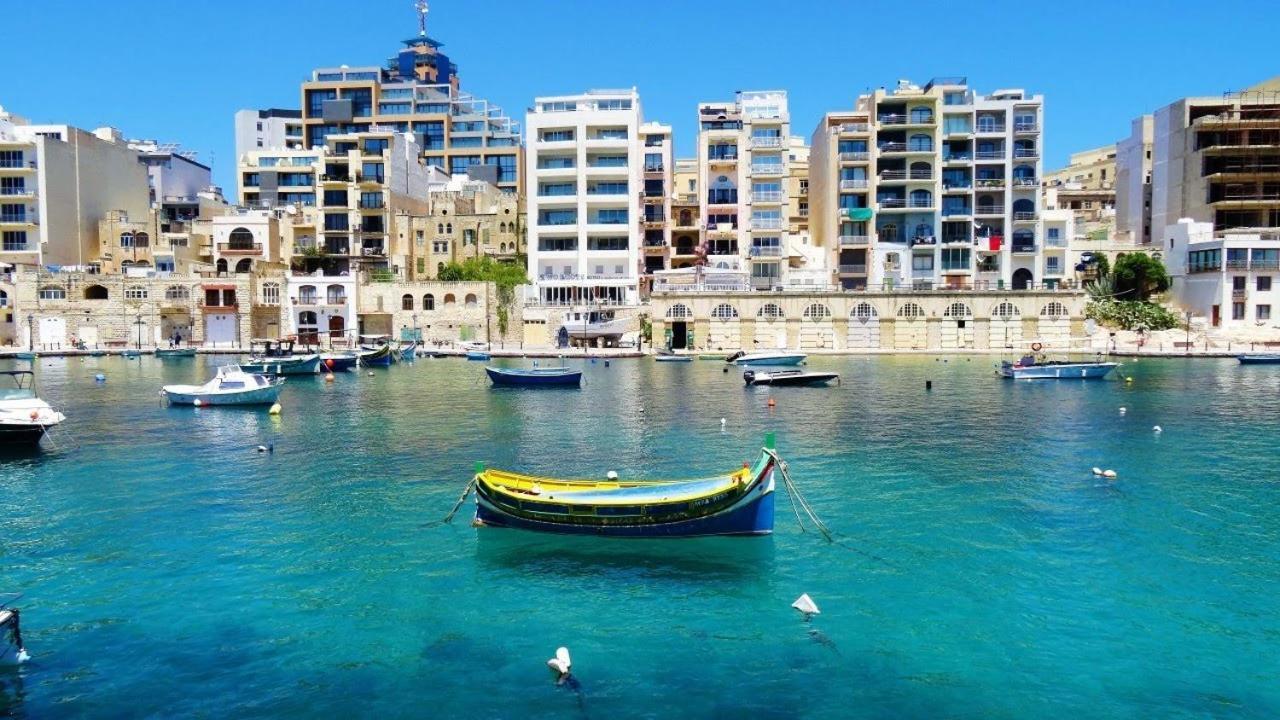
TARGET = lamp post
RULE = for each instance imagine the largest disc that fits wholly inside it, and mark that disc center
(31, 337)
(138, 322)
(1188, 332)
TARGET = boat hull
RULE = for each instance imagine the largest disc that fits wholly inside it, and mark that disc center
(477, 355)
(752, 517)
(1068, 371)
(572, 378)
(16, 435)
(1259, 359)
(338, 363)
(308, 365)
(780, 360)
(11, 650)
(789, 379)
(254, 396)
(673, 358)
(183, 353)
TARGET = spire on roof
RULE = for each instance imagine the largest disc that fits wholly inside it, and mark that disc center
(421, 7)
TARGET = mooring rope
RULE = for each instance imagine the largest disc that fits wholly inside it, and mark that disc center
(456, 506)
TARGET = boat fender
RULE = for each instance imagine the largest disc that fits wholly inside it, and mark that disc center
(806, 605)
(772, 402)
(196, 403)
(35, 414)
(723, 422)
(1097, 471)
(370, 373)
(275, 409)
(329, 363)
(561, 663)
(1036, 347)
(1129, 379)
(1157, 429)
(1109, 474)
(1123, 410)
(328, 377)
(611, 475)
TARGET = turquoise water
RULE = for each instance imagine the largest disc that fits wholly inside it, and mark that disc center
(982, 571)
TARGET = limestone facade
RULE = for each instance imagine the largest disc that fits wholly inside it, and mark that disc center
(441, 312)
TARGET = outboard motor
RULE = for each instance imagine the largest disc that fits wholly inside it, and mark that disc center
(749, 376)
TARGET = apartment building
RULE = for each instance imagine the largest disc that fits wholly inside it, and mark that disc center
(468, 219)
(686, 216)
(657, 198)
(1225, 276)
(268, 129)
(1214, 160)
(56, 183)
(1087, 188)
(418, 91)
(1133, 183)
(743, 169)
(585, 160)
(932, 186)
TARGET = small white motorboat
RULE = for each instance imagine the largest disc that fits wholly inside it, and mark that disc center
(231, 386)
(767, 357)
(1030, 367)
(788, 377)
(12, 651)
(24, 417)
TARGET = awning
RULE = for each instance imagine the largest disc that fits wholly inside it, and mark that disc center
(859, 214)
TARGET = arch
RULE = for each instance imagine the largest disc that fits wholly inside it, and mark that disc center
(270, 293)
(921, 170)
(817, 311)
(769, 311)
(337, 326)
(135, 292)
(921, 115)
(126, 239)
(1024, 205)
(686, 218)
(95, 292)
(1023, 279)
(502, 227)
(406, 302)
(448, 228)
(245, 265)
(502, 247)
(221, 266)
(924, 230)
(1024, 237)
(722, 182)
(724, 311)
(178, 293)
(141, 239)
(1005, 311)
(958, 311)
(911, 311)
(450, 300)
(921, 198)
(4, 299)
(428, 302)
(864, 310)
(470, 300)
(335, 294)
(920, 143)
(240, 238)
(679, 311)
(1054, 309)
(1024, 172)
(307, 317)
(439, 228)
(307, 294)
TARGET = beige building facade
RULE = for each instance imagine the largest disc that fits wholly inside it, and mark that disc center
(466, 220)
(440, 313)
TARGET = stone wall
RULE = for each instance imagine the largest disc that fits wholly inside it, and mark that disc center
(443, 312)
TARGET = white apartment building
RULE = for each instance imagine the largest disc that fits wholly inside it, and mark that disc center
(743, 170)
(269, 129)
(1133, 182)
(585, 163)
(934, 186)
(1226, 277)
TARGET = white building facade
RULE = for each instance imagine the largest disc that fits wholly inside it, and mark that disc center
(1228, 278)
(269, 129)
(585, 162)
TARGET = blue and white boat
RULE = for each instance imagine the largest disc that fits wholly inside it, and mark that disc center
(477, 355)
(231, 386)
(1029, 368)
(277, 357)
(535, 377)
(1259, 359)
(12, 651)
(667, 356)
(767, 357)
(338, 361)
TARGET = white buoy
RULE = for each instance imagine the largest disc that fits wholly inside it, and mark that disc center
(275, 409)
(22, 656)
(722, 422)
(1157, 429)
(611, 475)
(1123, 410)
(262, 448)
(1109, 474)
(561, 663)
(806, 605)
(1097, 471)
(370, 373)
(196, 402)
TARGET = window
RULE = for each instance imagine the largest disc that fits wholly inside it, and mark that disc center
(922, 262)
(769, 311)
(1237, 311)
(406, 302)
(470, 301)
(817, 311)
(1005, 311)
(1264, 283)
(724, 311)
(270, 293)
(679, 311)
(911, 311)
(428, 302)
(14, 240)
(52, 292)
(1051, 233)
(557, 135)
(1263, 312)
(1054, 309)
(135, 292)
(958, 310)
(450, 300)
(180, 293)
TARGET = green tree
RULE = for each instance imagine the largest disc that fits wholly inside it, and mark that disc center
(1102, 264)
(1138, 276)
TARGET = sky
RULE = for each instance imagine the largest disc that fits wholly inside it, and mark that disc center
(177, 71)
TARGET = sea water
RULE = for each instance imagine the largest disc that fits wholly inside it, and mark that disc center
(980, 570)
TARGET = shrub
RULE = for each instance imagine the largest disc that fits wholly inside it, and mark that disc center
(1138, 276)
(1131, 315)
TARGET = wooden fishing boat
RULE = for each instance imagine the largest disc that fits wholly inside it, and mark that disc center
(407, 351)
(736, 503)
(25, 356)
(1259, 359)
(173, 353)
(788, 377)
(535, 377)
(666, 356)
(477, 355)
(338, 361)
(277, 357)
(380, 357)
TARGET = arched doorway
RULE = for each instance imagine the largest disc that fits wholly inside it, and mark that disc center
(1023, 279)
(337, 326)
(221, 266)
(245, 265)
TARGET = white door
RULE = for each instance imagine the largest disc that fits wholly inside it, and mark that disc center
(220, 330)
(52, 332)
(724, 335)
(89, 334)
(817, 336)
(864, 333)
(1006, 333)
(910, 334)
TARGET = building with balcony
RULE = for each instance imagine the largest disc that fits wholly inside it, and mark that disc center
(685, 220)
(657, 202)
(1224, 276)
(1214, 160)
(930, 186)
(1085, 188)
(268, 129)
(57, 183)
(279, 178)
(418, 91)
(744, 160)
(585, 186)
(466, 219)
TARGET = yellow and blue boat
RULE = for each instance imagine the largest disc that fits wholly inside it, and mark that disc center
(736, 503)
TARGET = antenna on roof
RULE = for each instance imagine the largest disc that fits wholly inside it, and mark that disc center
(421, 7)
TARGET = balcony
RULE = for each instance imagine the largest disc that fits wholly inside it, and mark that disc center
(653, 221)
(956, 211)
(372, 204)
(722, 230)
(766, 223)
(853, 240)
(856, 269)
(990, 128)
(767, 169)
(766, 251)
(22, 219)
(989, 154)
(891, 203)
(13, 167)
(655, 243)
(1028, 153)
(853, 128)
(770, 197)
(17, 247)
(722, 197)
(892, 147)
(1057, 243)
(18, 192)
(722, 159)
(924, 240)
(654, 168)
(766, 142)
(853, 184)
(685, 250)
(859, 156)
(920, 203)
(957, 157)
(956, 186)
(956, 240)
(1026, 182)
(373, 251)
(989, 183)
(332, 178)
(1024, 216)
(239, 248)
(1026, 127)
(989, 210)
(1022, 248)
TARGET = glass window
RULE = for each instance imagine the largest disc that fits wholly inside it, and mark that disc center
(1264, 283)
(1237, 311)
(1263, 312)
(921, 262)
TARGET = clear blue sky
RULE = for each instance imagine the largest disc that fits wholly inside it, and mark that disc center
(177, 72)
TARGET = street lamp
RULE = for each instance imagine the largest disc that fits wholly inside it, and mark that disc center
(1188, 332)
(31, 337)
(139, 323)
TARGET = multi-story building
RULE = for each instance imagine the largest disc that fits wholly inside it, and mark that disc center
(798, 188)
(659, 166)
(56, 183)
(686, 216)
(1086, 187)
(931, 186)
(1227, 277)
(585, 165)
(1133, 183)
(467, 219)
(269, 129)
(276, 178)
(1215, 160)
(419, 92)
(743, 170)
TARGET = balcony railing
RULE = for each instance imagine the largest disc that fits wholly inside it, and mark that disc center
(855, 156)
(924, 240)
(1023, 152)
(854, 269)
(766, 142)
(948, 185)
(958, 157)
(1023, 216)
(17, 191)
(766, 196)
(892, 202)
(1022, 248)
(18, 165)
(722, 157)
(853, 184)
(920, 202)
(854, 128)
(956, 240)
(722, 197)
(989, 182)
(990, 128)
(653, 168)
(1026, 127)
(766, 251)
(853, 240)
(893, 174)
(989, 210)
(240, 248)
(989, 154)
(1025, 182)
(955, 210)
(767, 169)
(888, 147)
(766, 223)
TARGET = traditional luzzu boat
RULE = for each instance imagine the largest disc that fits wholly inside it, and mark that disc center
(376, 351)
(535, 377)
(276, 357)
(736, 503)
(338, 361)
